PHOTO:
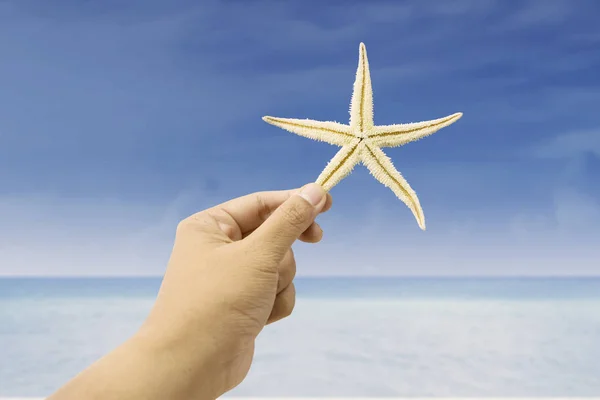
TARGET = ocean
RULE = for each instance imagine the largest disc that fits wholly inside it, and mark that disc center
(368, 337)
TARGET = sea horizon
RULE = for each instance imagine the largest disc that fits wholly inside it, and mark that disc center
(521, 287)
(348, 336)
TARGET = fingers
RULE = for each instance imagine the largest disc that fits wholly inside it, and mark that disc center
(313, 234)
(248, 212)
(286, 291)
(241, 216)
(328, 203)
(285, 225)
(284, 304)
(287, 271)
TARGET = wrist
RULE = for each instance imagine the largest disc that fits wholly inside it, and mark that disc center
(191, 366)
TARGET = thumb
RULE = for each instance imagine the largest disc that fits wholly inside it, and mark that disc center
(290, 220)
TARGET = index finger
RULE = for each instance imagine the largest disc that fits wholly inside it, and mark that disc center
(251, 210)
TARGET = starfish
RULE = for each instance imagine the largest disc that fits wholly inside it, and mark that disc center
(362, 140)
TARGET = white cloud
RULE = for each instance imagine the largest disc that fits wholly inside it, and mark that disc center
(91, 237)
(62, 236)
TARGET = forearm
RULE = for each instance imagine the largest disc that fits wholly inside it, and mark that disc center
(146, 368)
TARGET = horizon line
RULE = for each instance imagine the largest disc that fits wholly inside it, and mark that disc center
(226, 397)
(548, 276)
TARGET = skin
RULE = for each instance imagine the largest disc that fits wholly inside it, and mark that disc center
(230, 273)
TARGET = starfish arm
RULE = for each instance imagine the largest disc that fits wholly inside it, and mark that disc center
(361, 105)
(340, 166)
(397, 135)
(382, 168)
(329, 132)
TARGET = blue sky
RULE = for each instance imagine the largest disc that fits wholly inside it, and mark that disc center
(117, 119)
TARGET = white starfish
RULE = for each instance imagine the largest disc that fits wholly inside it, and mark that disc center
(362, 140)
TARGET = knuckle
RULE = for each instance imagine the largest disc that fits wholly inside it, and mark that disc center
(230, 231)
(287, 270)
(292, 267)
(290, 301)
(193, 224)
(262, 209)
(284, 304)
(184, 226)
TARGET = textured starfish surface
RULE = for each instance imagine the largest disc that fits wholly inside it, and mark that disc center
(362, 140)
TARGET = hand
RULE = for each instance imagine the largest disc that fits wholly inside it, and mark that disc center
(229, 275)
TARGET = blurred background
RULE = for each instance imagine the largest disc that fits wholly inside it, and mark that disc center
(118, 119)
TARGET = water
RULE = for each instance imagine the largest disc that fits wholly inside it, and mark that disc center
(346, 337)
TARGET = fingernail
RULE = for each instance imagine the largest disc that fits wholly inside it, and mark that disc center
(313, 193)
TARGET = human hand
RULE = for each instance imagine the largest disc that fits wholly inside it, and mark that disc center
(230, 274)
